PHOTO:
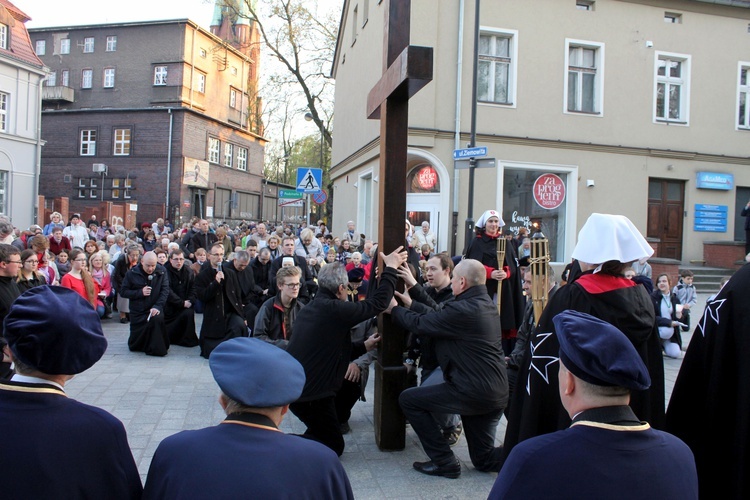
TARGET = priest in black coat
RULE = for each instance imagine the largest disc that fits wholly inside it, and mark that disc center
(53, 445)
(147, 287)
(710, 405)
(179, 314)
(219, 289)
(606, 245)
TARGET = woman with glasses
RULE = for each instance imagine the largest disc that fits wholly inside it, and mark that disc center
(80, 281)
(98, 264)
(28, 276)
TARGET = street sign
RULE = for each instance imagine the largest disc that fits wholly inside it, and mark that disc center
(288, 193)
(291, 202)
(320, 197)
(480, 163)
(460, 154)
(309, 180)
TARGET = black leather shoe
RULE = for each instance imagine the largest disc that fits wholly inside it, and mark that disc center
(451, 470)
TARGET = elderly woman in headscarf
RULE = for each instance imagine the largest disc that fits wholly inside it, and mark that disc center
(483, 247)
(607, 245)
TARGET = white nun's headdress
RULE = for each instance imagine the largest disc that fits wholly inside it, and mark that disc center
(607, 237)
(489, 213)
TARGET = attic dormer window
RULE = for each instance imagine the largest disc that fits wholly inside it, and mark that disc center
(3, 36)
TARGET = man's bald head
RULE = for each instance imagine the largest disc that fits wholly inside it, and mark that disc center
(473, 271)
(148, 262)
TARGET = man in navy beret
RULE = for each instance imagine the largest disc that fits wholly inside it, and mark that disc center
(54, 446)
(606, 452)
(246, 456)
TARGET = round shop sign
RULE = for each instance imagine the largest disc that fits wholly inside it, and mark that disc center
(549, 191)
(427, 178)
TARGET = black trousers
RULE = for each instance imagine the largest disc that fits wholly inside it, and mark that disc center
(345, 399)
(322, 423)
(479, 421)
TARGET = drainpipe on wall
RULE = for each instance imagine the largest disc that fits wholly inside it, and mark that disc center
(457, 134)
(169, 160)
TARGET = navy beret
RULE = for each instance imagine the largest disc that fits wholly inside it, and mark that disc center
(597, 352)
(256, 373)
(356, 275)
(52, 329)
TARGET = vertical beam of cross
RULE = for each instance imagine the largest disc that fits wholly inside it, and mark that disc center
(406, 69)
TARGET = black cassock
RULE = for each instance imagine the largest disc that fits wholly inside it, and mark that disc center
(180, 321)
(536, 408)
(710, 404)
(147, 334)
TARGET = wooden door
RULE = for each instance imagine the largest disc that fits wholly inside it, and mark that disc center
(666, 208)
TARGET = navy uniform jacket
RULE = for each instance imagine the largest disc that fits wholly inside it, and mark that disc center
(595, 460)
(245, 456)
(56, 447)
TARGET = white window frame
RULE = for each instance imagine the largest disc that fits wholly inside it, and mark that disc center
(683, 81)
(4, 104)
(743, 90)
(242, 159)
(585, 5)
(87, 146)
(3, 36)
(65, 46)
(40, 47)
(122, 137)
(88, 45)
(598, 47)
(65, 78)
(160, 75)
(108, 80)
(87, 78)
(228, 154)
(111, 43)
(214, 147)
(232, 98)
(52, 79)
(200, 82)
(512, 35)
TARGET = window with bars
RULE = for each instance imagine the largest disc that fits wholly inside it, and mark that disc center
(213, 150)
(122, 142)
(160, 75)
(584, 86)
(743, 97)
(496, 67)
(242, 159)
(671, 103)
(88, 142)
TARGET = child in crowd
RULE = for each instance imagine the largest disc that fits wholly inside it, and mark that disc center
(685, 292)
(63, 264)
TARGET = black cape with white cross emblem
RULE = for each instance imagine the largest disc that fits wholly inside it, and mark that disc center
(710, 404)
(535, 408)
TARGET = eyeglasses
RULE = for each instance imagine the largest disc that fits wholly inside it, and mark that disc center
(35, 261)
(14, 261)
(79, 260)
(293, 285)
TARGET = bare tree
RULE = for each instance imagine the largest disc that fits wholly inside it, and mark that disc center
(301, 40)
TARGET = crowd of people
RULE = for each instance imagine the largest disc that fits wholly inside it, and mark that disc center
(301, 300)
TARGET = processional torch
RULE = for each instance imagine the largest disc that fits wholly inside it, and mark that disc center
(538, 262)
(501, 241)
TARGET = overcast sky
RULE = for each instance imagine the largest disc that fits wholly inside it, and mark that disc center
(45, 13)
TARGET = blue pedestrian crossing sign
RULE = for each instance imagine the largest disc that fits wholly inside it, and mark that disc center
(309, 180)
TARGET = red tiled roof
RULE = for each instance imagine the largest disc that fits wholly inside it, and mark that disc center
(20, 47)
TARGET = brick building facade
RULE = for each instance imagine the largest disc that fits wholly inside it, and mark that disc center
(152, 114)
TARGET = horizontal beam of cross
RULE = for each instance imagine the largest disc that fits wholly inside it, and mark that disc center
(411, 71)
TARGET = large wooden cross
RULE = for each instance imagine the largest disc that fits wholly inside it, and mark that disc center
(406, 69)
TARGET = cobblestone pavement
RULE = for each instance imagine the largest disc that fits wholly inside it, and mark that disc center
(158, 397)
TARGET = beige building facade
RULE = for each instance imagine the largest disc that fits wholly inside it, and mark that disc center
(630, 107)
